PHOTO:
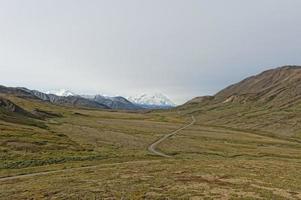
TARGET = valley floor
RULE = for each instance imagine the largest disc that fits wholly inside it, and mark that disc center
(89, 154)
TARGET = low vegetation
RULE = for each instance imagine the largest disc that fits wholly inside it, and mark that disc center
(234, 150)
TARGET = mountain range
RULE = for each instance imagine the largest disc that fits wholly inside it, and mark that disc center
(269, 102)
(114, 102)
(68, 98)
(144, 101)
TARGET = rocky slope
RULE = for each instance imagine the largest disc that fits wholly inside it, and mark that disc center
(118, 103)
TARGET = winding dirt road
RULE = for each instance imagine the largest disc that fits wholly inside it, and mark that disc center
(152, 147)
(74, 169)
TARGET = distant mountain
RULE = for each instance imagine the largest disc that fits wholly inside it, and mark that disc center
(77, 101)
(74, 101)
(119, 103)
(16, 91)
(157, 100)
(61, 92)
(67, 98)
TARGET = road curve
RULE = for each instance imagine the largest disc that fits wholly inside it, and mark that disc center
(152, 147)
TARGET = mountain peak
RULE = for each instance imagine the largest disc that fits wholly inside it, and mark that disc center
(61, 92)
(153, 100)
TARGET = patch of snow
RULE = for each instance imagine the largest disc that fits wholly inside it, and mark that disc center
(61, 92)
(156, 99)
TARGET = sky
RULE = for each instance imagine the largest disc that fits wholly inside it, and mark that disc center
(180, 48)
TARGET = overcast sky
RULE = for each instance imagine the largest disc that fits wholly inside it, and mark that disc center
(126, 47)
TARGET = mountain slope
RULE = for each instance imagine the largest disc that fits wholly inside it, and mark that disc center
(20, 92)
(69, 100)
(280, 86)
(10, 112)
(119, 103)
(8, 107)
(269, 102)
(74, 101)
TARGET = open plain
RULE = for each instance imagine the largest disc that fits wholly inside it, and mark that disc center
(100, 154)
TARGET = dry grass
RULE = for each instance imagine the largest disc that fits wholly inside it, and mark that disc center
(209, 162)
(211, 177)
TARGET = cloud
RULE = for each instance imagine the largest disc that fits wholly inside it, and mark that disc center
(183, 49)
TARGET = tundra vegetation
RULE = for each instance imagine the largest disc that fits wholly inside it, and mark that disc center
(243, 145)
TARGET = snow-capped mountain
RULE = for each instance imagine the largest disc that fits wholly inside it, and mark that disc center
(157, 100)
(61, 92)
(144, 101)
(117, 102)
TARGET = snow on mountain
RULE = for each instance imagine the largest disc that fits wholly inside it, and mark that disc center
(154, 100)
(61, 92)
(148, 101)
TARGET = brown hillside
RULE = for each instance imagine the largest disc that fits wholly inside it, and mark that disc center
(280, 86)
(269, 102)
